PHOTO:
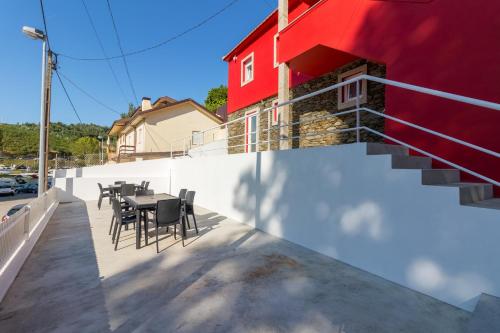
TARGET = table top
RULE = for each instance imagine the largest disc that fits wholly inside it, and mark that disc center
(147, 201)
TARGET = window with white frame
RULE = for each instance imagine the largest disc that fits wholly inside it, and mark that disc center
(347, 95)
(251, 130)
(247, 69)
(275, 113)
(276, 39)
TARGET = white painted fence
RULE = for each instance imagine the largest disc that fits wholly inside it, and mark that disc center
(20, 233)
(340, 202)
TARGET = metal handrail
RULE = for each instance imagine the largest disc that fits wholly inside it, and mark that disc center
(358, 127)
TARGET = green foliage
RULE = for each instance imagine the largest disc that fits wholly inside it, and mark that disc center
(131, 111)
(216, 98)
(21, 140)
(85, 145)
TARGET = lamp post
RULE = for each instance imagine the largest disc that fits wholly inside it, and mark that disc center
(101, 149)
(45, 106)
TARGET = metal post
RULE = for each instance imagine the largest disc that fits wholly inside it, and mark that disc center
(357, 111)
(41, 145)
(269, 119)
(184, 147)
(171, 151)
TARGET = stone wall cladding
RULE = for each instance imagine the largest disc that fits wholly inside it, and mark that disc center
(313, 120)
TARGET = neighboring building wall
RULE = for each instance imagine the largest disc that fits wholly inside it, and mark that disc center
(316, 114)
(164, 128)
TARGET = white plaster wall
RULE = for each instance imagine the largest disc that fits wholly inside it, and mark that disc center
(342, 203)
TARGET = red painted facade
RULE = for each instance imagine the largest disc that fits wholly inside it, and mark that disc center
(437, 44)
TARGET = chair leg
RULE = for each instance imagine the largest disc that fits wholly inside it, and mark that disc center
(195, 224)
(146, 228)
(118, 237)
(111, 225)
(175, 231)
(99, 202)
(157, 246)
(187, 220)
(115, 230)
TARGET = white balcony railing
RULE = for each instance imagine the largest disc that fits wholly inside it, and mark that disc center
(184, 144)
(19, 234)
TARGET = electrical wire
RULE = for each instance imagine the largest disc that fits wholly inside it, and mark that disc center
(121, 51)
(104, 51)
(67, 96)
(169, 40)
(88, 94)
(45, 24)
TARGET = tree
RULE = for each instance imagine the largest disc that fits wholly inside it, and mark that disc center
(131, 111)
(85, 145)
(216, 98)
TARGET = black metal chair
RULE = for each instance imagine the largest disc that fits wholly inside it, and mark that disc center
(103, 193)
(168, 213)
(120, 182)
(143, 183)
(146, 186)
(122, 218)
(182, 193)
(189, 209)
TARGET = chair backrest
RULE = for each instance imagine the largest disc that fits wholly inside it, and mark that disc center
(182, 193)
(190, 198)
(144, 192)
(117, 210)
(168, 211)
(120, 182)
(127, 190)
(100, 187)
(146, 186)
(143, 183)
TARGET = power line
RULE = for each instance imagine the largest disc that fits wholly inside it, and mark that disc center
(171, 39)
(45, 24)
(67, 96)
(121, 51)
(88, 94)
(103, 50)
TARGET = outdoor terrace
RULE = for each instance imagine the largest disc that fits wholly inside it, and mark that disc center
(230, 277)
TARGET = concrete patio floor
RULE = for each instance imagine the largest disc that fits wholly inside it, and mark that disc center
(229, 278)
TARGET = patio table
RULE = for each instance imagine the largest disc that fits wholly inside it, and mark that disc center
(116, 187)
(142, 204)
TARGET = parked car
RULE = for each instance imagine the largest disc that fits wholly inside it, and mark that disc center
(28, 188)
(20, 179)
(6, 190)
(12, 211)
(21, 167)
(5, 171)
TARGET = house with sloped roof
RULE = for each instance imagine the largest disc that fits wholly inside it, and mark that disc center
(163, 128)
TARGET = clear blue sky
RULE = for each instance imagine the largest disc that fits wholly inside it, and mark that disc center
(187, 67)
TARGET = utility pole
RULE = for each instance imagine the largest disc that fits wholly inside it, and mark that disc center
(43, 157)
(283, 81)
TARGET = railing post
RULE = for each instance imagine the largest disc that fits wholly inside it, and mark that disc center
(184, 147)
(269, 119)
(171, 151)
(27, 221)
(357, 112)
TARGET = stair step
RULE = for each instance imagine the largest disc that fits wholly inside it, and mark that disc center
(440, 176)
(373, 148)
(411, 162)
(486, 315)
(489, 204)
(472, 192)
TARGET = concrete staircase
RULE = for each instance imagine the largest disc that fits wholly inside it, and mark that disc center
(486, 315)
(470, 194)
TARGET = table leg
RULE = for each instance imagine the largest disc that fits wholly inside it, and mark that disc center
(146, 227)
(138, 229)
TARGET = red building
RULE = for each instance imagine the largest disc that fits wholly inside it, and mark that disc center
(436, 44)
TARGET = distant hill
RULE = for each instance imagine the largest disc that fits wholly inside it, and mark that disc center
(21, 140)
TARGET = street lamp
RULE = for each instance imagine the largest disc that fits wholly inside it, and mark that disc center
(42, 168)
(101, 149)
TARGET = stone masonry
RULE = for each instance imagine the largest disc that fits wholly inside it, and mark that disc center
(313, 120)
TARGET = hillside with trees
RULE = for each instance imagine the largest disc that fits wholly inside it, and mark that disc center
(21, 140)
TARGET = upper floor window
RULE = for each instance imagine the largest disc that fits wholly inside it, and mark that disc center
(247, 69)
(347, 95)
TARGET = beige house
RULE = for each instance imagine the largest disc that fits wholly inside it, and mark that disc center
(167, 125)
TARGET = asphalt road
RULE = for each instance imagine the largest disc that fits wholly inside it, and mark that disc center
(7, 202)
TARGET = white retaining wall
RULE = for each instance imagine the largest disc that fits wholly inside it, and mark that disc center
(342, 203)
